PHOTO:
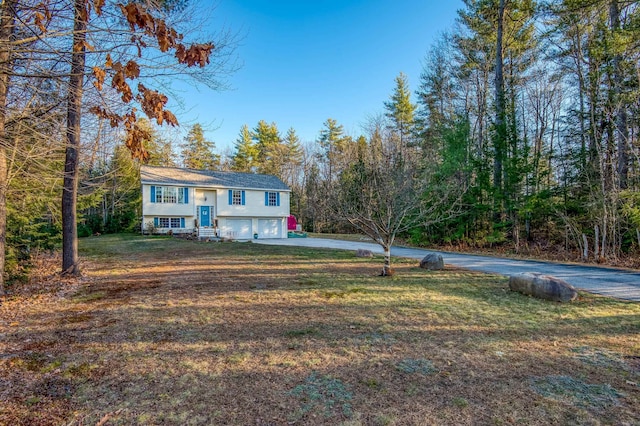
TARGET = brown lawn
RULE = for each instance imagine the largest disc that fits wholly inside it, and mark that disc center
(166, 331)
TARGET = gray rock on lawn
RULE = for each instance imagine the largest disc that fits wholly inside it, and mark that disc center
(543, 287)
(364, 253)
(432, 262)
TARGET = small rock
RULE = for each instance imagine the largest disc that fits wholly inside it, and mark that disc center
(432, 262)
(364, 253)
(543, 287)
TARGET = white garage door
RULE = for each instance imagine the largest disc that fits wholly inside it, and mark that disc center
(237, 228)
(270, 228)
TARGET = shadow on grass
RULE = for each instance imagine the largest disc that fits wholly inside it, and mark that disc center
(226, 333)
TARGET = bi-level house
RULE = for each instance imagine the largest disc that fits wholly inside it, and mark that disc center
(210, 203)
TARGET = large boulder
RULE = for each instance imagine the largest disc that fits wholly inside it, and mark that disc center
(432, 262)
(364, 253)
(543, 287)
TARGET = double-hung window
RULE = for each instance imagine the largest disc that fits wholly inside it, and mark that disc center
(156, 194)
(169, 222)
(272, 199)
(236, 197)
(183, 194)
(169, 195)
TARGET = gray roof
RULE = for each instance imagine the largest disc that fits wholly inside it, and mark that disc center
(208, 178)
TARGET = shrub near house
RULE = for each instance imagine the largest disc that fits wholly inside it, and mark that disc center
(211, 203)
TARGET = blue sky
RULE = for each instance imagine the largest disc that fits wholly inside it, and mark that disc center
(306, 61)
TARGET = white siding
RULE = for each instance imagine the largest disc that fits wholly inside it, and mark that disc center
(254, 205)
(205, 197)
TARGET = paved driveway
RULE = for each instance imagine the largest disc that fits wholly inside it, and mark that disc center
(618, 283)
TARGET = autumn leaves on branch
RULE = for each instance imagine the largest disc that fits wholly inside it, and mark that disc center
(151, 101)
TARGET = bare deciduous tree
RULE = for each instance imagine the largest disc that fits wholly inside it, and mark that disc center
(386, 192)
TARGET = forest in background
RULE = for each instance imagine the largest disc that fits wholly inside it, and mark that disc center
(521, 135)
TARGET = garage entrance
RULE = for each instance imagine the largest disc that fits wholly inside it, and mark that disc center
(269, 228)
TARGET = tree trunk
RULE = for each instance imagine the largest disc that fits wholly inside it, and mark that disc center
(621, 111)
(500, 125)
(581, 91)
(74, 112)
(585, 248)
(604, 238)
(516, 231)
(386, 269)
(596, 242)
(7, 16)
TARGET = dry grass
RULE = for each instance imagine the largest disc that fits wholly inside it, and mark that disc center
(166, 331)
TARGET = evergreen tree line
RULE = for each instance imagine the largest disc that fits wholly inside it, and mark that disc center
(535, 107)
(530, 111)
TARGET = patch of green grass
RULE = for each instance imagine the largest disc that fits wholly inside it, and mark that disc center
(238, 357)
(412, 390)
(329, 294)
(377, 338)
(51, 366)
(309, 331)
(79, 371)
(416, 366)
(576, 391)
(89, 297)
(116, 244)
(600, 358)
(372, 383)
(322, 393)
(307, 282)
(32, 400)
(460, 402)
(36, 362)
(383, 420)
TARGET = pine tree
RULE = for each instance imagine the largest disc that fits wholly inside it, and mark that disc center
(160, 150)
(401, 111)
(198, 152)
(268, 142)
(246, 153)
(331, 141)
(291, 159)
(436, 98)
(122, 198)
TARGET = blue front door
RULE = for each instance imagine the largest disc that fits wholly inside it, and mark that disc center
(205, 216)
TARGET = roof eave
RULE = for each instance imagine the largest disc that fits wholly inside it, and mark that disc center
(213, 186)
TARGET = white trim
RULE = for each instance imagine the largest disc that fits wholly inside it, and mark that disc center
(198, 186)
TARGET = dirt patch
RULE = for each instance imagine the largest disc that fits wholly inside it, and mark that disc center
(122, 288)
